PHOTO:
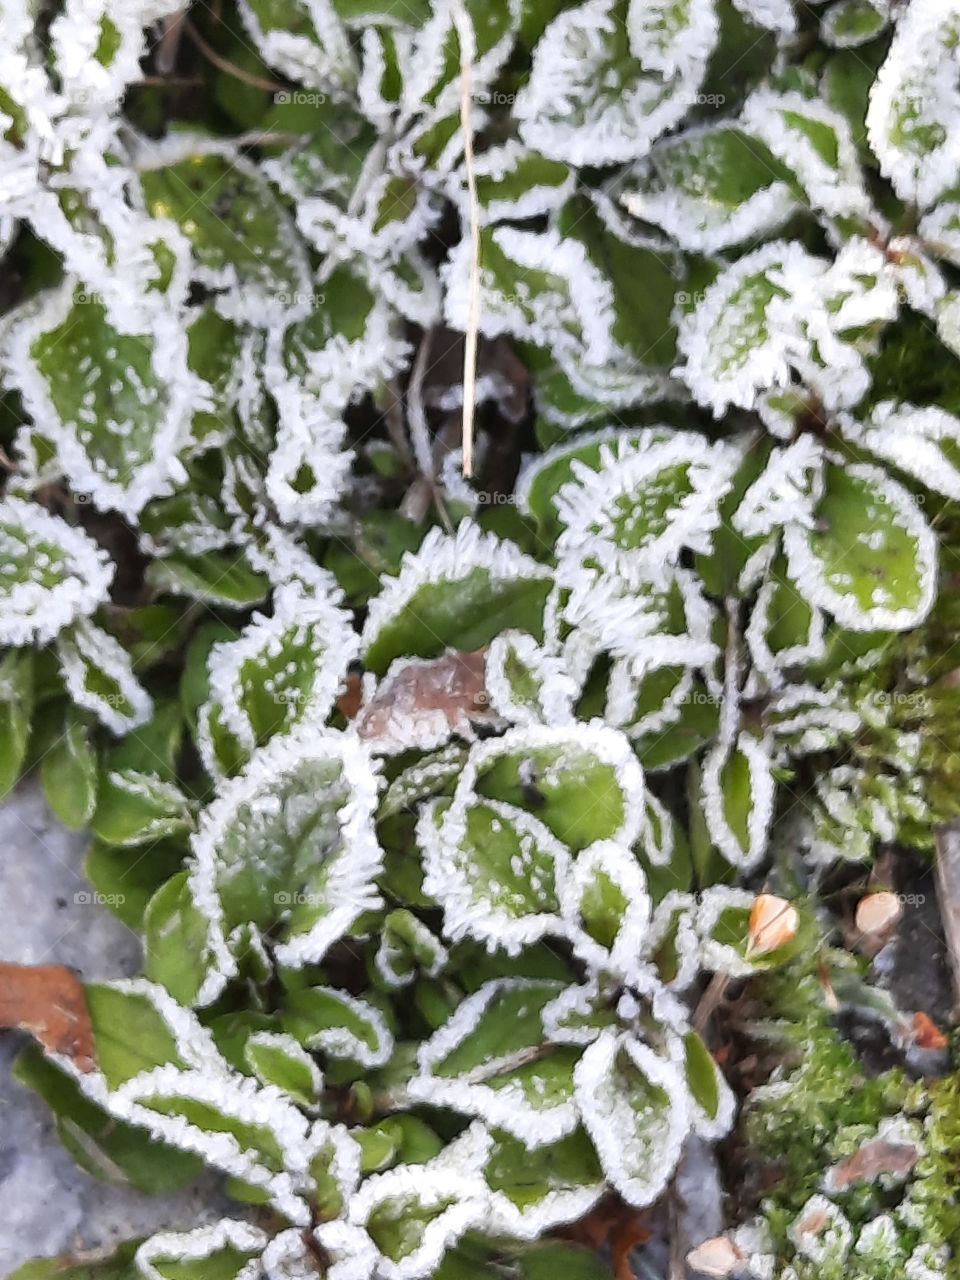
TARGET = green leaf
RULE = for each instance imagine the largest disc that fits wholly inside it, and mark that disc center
(176, 938)
(871, 557)
(116, 430)
(711, 188)
(125, 879)
(16, 713)
(119, 1266)
(50, 573)
(492, 1060)
(454, 593)
(336, 1023)
(136, 808)
(634, 1109)
(104, 1146)
(242, 238)
(215, 578)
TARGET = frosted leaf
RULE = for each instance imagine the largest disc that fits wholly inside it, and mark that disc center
(309, 469)
(578, 1014)
(811, 719)
(543, 474)
(608, 78)
(583, 782)
(659, 834)
(491, 1060)
(388, 216)
(739, 791)
(159, 1069)
(639, 511)
(51, 574)
(429, 58)
(922, 442)
(784, 631)
(737, 341)
(525, 684)
(407, 948)
(282, 670)
(535, 285)
(647, 705)
(948, 322)
(336, 1023)
(851, 23)
(115, 402)
(710, 187)
(96, 49)
(347, 339)
(99, 677)
(918, 278)
(137, 808)
(278, 1059)
(534, 1191)
(289, 843)
(399, 1224)
(913, 120)
(671, 945)
(774, 15)
(410, 284)
(514, 183)
(250, 1131)
(244, 245)
(636, 1109)
(304, 39)
(493, 869)
(713, 1101)
(815, 143)
(785, 492)
(134, 265)
(232, 1249)
(871, 558)
(779, 312)
(605, 903)
(650, 629)
(940, 227)
(457, 591)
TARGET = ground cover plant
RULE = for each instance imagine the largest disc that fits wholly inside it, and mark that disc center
(479, 555)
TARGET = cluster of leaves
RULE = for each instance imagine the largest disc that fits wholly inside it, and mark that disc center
(423, 992)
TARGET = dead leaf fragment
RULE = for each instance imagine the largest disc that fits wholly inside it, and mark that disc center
(876, 921)
(424, 702)
(926, 1033)
(873, 1158)
(48, 1001)
(718, 1258)
(773, 923)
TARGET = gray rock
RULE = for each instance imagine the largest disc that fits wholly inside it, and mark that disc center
(48, 915)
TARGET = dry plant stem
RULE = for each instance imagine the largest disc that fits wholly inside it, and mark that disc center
(948, 891)
(420, 431)
(168, 46)
(466, 37)
(256, 82)
(710, 1000)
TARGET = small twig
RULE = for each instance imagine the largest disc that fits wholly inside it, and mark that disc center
(256, 82)
(393, 417)
(467, 39)
(169, 43)
(948, 894)
(710, 1000)
(420, 431)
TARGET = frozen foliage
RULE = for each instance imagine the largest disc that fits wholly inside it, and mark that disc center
(438, 805)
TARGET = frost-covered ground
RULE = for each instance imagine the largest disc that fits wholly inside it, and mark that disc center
(47, 917)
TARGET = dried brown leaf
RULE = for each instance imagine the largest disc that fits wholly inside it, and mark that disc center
(49, 1002)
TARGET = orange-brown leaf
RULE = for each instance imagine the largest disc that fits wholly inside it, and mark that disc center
(50, 1003)
(872, 1159)
(446, 695)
